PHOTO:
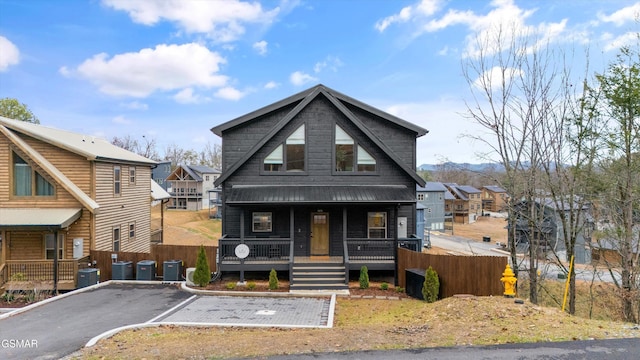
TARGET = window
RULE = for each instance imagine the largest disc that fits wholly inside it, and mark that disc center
(49, 246)
(116, 239)
(116, 180)
(132, 175)
(132, 231)
(27, 181)
(420, 197)
(377, 225)
(262, 222)
(206, 178)
(289, 156)
(350, 156)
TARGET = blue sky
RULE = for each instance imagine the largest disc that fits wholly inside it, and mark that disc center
(173, 69)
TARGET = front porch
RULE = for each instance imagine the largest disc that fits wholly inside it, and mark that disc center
(278, 253)
(31, 274)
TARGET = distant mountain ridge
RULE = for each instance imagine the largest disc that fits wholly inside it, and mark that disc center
(462, 166)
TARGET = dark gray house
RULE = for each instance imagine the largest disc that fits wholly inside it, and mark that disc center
(317, 181)
(547, 233)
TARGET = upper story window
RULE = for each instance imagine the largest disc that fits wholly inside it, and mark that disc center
(289, 156)
(421, 197)
(27, 181)
(132, 175)
(117, 180)
(350, 156)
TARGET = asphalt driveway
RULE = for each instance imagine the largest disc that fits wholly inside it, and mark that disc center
(61, 327)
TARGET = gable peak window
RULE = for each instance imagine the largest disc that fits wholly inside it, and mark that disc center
(289, 156)
(351, 156)
(27, 181)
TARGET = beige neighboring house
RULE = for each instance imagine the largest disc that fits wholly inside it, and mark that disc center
(466, 205)
(63, 194)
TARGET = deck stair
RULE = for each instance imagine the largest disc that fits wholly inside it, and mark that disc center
(318, 276)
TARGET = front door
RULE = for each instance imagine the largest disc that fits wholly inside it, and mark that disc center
(319, 234)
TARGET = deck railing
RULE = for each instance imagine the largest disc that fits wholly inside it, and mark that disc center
(40, 270)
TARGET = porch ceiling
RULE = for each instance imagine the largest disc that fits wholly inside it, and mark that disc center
(37, 218)
(319, 194)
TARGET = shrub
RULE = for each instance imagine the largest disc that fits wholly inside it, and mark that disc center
(431, 286)
(384, 286)
(251, 285)
(364, 278)
(202, 275)
(231, 285)
(273, 280)
(399, 289)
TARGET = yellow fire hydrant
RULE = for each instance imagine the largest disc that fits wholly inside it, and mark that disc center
(509, 280)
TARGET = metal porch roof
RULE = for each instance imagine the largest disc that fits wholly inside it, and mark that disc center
(37, 218)
(319, 194)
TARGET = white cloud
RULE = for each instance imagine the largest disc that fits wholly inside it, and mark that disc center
(504, 22)
(9, 54)
(300, 78)
(494, 78)
(423, 9)
(271, 85)
(229, 93)
(622, 16)
(165, 68)
(186, 96)
(260, 47)
(136, 105)
(615, 43)
(220, 20)
(64, 71)
(330, 62)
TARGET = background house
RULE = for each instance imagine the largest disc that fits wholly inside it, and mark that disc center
(494, 198)
(160, 173)
(318, 181)
(547, 234)
(466, 204)
(432, 197)
(192, 187)
(63, 194)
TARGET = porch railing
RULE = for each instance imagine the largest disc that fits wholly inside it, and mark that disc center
(4, 275)
(376, 249)
(260, 249)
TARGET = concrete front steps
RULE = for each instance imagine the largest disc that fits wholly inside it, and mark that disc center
(318, 276)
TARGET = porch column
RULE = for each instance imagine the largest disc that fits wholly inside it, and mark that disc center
(242, 226)
(395, 212)
(55, 262)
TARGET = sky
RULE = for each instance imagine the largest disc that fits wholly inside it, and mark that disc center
(170, 70)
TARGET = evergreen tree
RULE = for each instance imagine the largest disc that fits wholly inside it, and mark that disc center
(364, 277)
(202, 275)
(431, 286)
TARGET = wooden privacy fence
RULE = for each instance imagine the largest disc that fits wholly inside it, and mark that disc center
(159, 253)
(475, 275)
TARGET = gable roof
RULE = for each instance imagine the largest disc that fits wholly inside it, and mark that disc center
(431, 186)
(91, 147)
(194, 171)
(495, 189)
(302, 99)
